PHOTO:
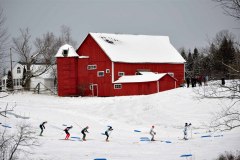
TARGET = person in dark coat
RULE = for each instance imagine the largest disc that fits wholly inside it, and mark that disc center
(223, 81)
(42, 127)
(84, 131)
(188, 82)
(107, 132)
(67, 133)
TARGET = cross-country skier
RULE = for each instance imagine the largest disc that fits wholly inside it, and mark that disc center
(84, 131)
(185, 131)
(152, 133)
(107, 132)
(42, 127)
(67, 133)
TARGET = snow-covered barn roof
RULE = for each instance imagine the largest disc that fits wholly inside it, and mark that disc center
(138, 48)
(140, 78)
(70, 51)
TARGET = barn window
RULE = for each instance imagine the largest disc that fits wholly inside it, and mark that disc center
(65, 52)
(18, 70)
(92, 67)
(117, 86)
(100, 73)
(171, 74)
(107, 70)
(91, 87)
(121, 73)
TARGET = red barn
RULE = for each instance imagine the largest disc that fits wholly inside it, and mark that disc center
(118, 65)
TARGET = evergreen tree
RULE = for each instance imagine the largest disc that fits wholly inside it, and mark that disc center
(224, 55)
(183, 54)
(9, 81)
(190, 62)
(195, 58)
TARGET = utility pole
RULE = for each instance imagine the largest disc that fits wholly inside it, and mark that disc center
(11, 67)
(11, 58)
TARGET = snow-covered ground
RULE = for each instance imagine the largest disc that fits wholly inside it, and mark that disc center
(168, 111)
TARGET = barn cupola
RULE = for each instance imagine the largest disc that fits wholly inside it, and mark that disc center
(67, 68)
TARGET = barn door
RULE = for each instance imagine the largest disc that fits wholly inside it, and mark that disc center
(95, 90)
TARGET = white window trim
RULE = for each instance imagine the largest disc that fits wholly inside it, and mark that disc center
(116, 86)
(121, 74)
(91, 67)
(99, 73)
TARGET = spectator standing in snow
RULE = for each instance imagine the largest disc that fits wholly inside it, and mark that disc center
(42, 127)
(67, 133)
(152, 133)
(188, 82)
(107, 132)
(185, 131)
(223, 81)
(84, 131)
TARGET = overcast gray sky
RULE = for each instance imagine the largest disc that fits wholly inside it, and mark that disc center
(188, 23)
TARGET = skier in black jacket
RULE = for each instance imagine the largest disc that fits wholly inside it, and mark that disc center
(84, 131)
(107, 132)
(42, 127)
(67, 133)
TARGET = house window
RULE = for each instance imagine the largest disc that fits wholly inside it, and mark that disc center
(107, 70)
(121, 73)
(171, 74)
(117, 86)
(3, 83)
(18, 70)
(100, 73)
(20, 82)
(91, 67)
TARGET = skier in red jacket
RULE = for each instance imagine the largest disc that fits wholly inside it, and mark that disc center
(67, 133)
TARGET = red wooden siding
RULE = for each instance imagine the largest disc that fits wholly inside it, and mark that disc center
(131, 68)
(67, 76)
(96, 56)
(143, 88)
(166, 83)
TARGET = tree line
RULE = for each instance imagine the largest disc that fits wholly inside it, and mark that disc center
(220, 59)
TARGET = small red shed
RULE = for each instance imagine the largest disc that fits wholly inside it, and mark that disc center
(118, 65)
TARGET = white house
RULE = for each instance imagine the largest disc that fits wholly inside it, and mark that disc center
(46, 80)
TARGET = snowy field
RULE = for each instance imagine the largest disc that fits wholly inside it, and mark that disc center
(168, 111)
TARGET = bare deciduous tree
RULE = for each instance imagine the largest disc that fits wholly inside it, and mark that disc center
(3, 38)
(66, 37)
(230, 7)
(22, 46)
(228, 117)
(21, 142)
